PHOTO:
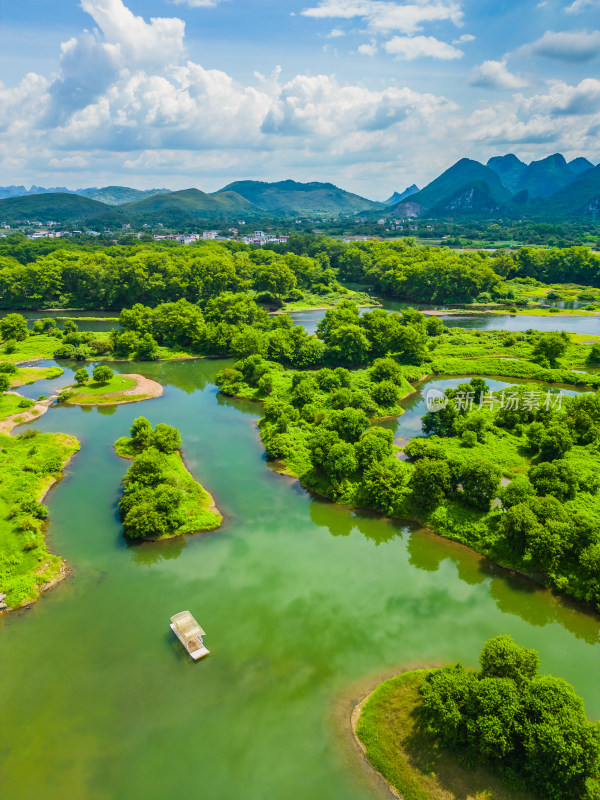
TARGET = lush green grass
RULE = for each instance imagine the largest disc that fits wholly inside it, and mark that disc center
(199, 510)
(330, 300)
(466, 352)
(409, 759)
(500, 447)
(12, 404)
(102, 393)
(31, 349)
(584, 338)
(27, 467)
(27, 375)
(504, 367)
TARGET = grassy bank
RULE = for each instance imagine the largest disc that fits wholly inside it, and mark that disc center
(409, 759)
(197, 507)
(30, 464)
(330, 300)
(13, 404)
(24, 376)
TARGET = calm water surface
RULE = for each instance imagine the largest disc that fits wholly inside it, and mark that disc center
(507, 322)
(94, 320)
(301, 601)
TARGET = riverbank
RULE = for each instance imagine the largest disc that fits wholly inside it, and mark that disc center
(122, 388)
(521, 312)
(385, 724)
(27, 414)
(31, 465)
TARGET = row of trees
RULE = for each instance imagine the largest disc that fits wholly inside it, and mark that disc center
(432, 274)
(232, 324)
(518, 722)
(117, 276)
(39, 274)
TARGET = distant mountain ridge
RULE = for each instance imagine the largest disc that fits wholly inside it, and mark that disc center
(59, 207)
(398, 197)
(505, 186)
(463, 175)
(111, 195)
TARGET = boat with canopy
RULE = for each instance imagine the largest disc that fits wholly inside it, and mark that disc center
(190, 634)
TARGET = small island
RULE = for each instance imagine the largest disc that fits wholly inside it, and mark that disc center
(504, 732)
(108, 388)
(161, 498)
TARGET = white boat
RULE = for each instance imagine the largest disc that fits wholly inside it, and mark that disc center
(190, 634)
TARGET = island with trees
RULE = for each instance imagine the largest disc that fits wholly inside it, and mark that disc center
(104, 387)
(503, 732)
(161, 499)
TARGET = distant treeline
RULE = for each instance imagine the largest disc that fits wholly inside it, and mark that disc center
(62, 274)
(433, 274)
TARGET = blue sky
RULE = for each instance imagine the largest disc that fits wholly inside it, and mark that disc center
(370, 94)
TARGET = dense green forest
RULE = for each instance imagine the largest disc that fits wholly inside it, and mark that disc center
(65, 274)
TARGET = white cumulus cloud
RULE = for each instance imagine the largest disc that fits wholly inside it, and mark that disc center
(368, 49)
(576, 47)
(386, 16)
(127, 103)
(495, 75)
(141, 44)
(408, 48)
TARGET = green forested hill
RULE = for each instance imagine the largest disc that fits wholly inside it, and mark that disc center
(465, 173)
(58, 207)
(118, 195)
(544, 178)
(582, 197)
(308, 198)
(187, 204)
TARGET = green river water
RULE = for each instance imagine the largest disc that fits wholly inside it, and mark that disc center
(304, 604)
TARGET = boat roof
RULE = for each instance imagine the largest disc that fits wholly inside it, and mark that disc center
(187, 625)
